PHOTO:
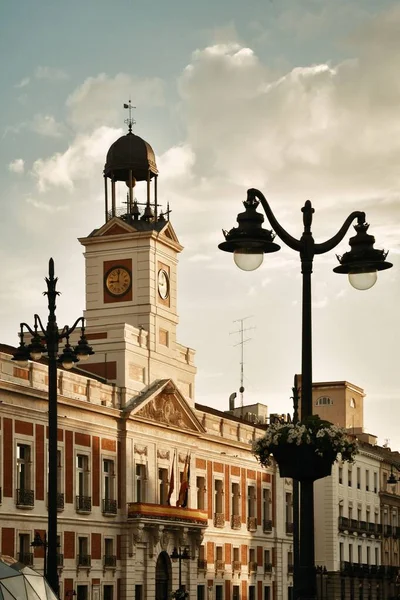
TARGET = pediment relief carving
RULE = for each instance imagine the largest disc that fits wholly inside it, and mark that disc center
(165, 408)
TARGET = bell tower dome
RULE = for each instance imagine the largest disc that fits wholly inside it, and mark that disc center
(131, 277)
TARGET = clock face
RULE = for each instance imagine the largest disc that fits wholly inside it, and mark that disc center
(163, 284)
(118, 281)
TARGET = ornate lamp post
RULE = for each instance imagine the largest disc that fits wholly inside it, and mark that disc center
(45, 340)
(180, 555)
(248, 242)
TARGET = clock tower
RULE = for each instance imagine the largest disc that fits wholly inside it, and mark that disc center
(131, 278)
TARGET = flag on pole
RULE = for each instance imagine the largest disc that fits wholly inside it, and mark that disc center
(171, 481)
(184, 489)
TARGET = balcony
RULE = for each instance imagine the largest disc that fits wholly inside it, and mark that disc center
(219, 520)
(236, 522)
(109, 507)
(83, 504)
(219, 565)
(201, 564)
(25, 498)
(253, 566)
(60, 559)
(387, 531)
(147, 513)
(109, 561)
(252, 524)
(267, 525)
(236, 566)
(83, 561)
(267, 567)
(344, 523)
(60, 501)
(26, 558)
(289, 528)
(290, 569)
(353, 525)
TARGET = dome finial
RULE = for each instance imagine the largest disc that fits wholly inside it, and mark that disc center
(130, 120)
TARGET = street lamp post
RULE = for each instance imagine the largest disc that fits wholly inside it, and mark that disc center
(45, 340)
(248, 242)
(180, 555)
(38, 542)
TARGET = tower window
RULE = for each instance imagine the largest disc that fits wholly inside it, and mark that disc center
(324, 401)
(352, 403)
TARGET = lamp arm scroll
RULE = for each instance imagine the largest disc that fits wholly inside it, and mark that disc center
(276, 226)
(67, 331)
(338, 237)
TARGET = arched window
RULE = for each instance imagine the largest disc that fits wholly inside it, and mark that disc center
(324, 401)
(352, 403)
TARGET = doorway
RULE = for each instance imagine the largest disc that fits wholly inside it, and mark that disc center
(163, 576)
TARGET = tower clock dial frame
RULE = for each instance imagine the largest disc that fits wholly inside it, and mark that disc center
(118, 281)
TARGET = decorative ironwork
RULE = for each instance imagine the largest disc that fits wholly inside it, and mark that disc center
(236, 565)
(60, 560)
(219, 565)
(253, 566)
(83, 503)
(25, 497)
(267, 525)
(290, 568)
(110, 561)
(236, 522)
(109, 506)
(252, 523)
(219, 520)
(26, 558)
(84, 560)
(201, 564)
(267, 567)
(289, 527)
(60, 501)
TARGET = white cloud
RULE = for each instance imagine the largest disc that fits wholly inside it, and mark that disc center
(50, 73)
(98, 101)
(82, 160)
(17, 166)
(23, 83)
(46, 125)
(44, 206)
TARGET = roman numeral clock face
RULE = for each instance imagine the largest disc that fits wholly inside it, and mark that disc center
(118, 281)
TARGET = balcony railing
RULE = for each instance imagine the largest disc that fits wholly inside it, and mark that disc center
(84, 560)
(145, 511)
(83, 504)
(236, 522)
(109, 561)
(109, 507)
(252, 524)
(253, 566)
(60, 559)
(290, 568)
(60, 501)
(267, 525)
(289, 527)
(362, 570)
(26, 558)
(219, 565)
(387, 530)
(25, 497)
(267, 567)
(201, 564)
(236, 565)
(352, 525)
(219, 520)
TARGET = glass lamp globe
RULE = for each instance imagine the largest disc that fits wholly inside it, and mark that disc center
(247, 259)
(363, 281)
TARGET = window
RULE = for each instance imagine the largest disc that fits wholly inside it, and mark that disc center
(267, 560)
(324, 401)
(140, 483)
(108, 591)
(340, 471)
(25, 555)
(252, 592)
(266, 504)
(236, 554)
(59, 472)
(349, 475)
(341, 551)
(290, 562)
(236, 592)
(358, 478)
(25, 495)
(367, 480)
(359, 555)
(290, 593)
(251, 501)
(368, 555)
(375, 483)
(163, 485)
(201, 492)
(109, 502)
(340, 510)
(289, 508)
(82, 475)
(109, 557)
(201, 592)
(350, 512)
(350, 553)
(267, 592)
(235, 492)
(352, 403)
(82, 592)
(83, 553)
(138, 592)
(218, 496)
(219, 592)
(359, 514)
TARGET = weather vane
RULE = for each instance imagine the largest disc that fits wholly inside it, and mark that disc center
(130, 120)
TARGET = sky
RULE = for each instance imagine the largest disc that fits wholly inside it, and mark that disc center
(299, 98)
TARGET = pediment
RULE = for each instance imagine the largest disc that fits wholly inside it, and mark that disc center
(114, 226)
(169, 232)
(162, 403)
